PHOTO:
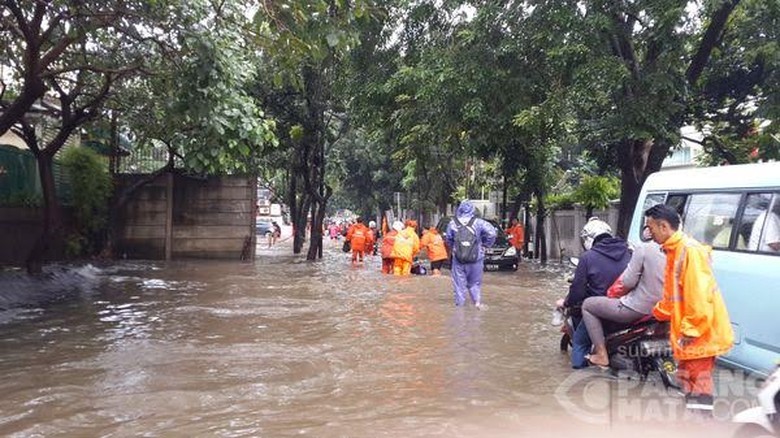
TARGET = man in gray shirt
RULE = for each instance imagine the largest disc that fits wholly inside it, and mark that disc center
(644, 279)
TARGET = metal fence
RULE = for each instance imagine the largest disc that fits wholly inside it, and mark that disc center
(20, 184)
(145, 160)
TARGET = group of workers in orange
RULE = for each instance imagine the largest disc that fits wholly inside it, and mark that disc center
(401, 244)
(361, 239)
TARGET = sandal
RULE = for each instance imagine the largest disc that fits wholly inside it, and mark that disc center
(602, 367)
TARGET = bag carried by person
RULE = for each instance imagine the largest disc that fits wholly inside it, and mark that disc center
(466, 244)
(617, 289)
(347, 246)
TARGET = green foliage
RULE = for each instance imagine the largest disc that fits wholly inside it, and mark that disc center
(595, 192)
(91, 189)
(361, 173)
(198, 103)
(739, 93)
(728, 147)
(559, 201)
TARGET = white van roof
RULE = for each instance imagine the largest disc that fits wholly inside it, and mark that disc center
(739, 176)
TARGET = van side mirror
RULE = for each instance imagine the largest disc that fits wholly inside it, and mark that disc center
(645, 235)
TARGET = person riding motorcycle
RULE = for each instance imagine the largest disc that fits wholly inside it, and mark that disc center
(604, 259)
(642, 287)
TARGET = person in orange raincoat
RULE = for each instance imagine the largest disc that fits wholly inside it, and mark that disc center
(516, 235)
(357, 235)
(371, 238)
(411, 226)
(406, 245)
(700, 326)
(388, 242)
(434, 246)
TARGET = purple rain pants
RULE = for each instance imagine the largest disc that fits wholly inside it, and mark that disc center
(466, 276)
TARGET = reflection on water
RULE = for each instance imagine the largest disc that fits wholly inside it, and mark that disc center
(283, 347)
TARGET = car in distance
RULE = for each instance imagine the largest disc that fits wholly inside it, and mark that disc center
(501, 256)
(263, 226)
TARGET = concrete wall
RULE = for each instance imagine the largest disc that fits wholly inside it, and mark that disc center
(20, 228)
(178, 217)
(563, 227)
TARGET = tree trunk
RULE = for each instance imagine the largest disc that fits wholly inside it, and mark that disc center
(52, 216)
(292, 201)
(638, 159)
(315, 246)
(300, 221)
(314, 250)
(527, 228)
(33, 89)
(517, 203)
(541, 238)
(505, 218)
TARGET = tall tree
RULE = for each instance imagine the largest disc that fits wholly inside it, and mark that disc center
(739, 93)
(634, 90)
(77, 51)
(308, 43)
(195, 100)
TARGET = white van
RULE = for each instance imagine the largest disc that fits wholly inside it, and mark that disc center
(736, 210)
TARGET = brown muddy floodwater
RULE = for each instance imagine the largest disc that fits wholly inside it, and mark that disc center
(282, 347)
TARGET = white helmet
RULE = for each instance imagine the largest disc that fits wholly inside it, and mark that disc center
(593, 229)
(371, 224)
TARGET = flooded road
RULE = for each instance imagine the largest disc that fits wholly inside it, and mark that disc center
(282, 347)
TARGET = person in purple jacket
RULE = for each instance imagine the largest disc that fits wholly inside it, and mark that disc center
(468, 276)
(603, 261)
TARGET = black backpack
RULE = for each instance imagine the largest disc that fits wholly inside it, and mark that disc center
(466, 248)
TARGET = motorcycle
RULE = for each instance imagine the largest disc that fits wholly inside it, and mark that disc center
(641, 347)
(764, 419)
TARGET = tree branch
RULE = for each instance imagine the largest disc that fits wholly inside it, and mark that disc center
(709, 40)
(21, 20)
(95, 69)
(692, 140)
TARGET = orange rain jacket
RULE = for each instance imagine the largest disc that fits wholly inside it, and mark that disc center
(434, 245)
(370, 240)
(692, 301)
(406, 245)
(516, 236)
(357, 236)
(388, 241)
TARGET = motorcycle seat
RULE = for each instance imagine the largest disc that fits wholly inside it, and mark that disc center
(611, 326)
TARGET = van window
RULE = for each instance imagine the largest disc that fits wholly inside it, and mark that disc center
(709, 218)
(760, 224)
(653, 199)
(677, 201)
